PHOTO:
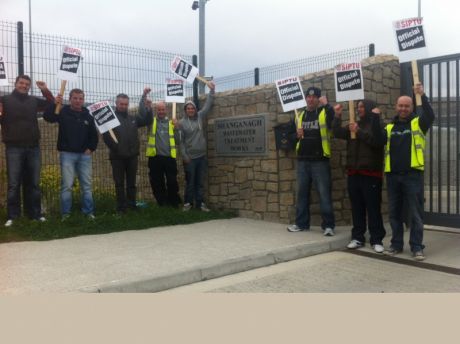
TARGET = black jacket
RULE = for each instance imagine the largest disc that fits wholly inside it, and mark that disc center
(366, 151)
(126, 134)
(19, 118)
(77, 131)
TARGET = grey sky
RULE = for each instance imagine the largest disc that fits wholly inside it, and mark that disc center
(241, 35)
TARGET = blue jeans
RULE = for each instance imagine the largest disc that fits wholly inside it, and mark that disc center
(23, 167)
(318, 173)
(194, 174)
(79, 164)
(406, 189)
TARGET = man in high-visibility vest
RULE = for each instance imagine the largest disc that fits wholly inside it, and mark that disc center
(162, 152)
(313, 149)
(404, 164)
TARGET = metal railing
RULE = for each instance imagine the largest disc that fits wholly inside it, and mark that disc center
(269, 74)
(105, 70)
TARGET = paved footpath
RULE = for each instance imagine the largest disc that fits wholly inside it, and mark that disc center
(166, 257)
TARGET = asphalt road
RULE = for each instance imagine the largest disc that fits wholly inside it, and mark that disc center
(335, 272)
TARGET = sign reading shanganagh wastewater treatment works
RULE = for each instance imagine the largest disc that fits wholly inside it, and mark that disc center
(241, 136)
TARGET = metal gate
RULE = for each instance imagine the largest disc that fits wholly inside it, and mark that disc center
(440, 77)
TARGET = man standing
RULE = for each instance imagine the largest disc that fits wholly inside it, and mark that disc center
(193, 151)
(21, 135)
(124, 154)
(313, 152)
(162, 153)
(404, 164)
(77, 140)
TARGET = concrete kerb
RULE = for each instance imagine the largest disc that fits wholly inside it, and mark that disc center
(223, 268)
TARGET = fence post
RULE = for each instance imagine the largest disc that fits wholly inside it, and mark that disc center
(371, 49)
(196, 100)
(256, 76)
(20, 32)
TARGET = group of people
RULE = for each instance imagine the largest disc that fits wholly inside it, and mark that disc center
(78, 139)
(396, 150)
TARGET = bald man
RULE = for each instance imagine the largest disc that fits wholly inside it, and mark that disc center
(162, 153)
(404, 164)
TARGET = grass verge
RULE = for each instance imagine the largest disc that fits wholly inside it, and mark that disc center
(106, 221)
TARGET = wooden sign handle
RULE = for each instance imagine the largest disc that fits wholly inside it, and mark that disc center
(418, 97)
(61, 93)
(112, 135)
(203, 80)
(351, 111)
(174, 110)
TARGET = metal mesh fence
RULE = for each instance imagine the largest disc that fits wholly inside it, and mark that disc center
(269, 74)
(105, 71)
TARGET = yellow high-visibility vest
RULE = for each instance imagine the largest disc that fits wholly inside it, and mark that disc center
(323, 130)
(417, 160)
(151, 144)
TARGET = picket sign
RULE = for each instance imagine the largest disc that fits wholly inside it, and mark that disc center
(411, 42)
(3, 72)
(68, 69)
(291, 96)
(349, 86)
(104, 118)
(186, 70)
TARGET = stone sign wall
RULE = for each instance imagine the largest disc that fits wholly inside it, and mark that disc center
(264, 187)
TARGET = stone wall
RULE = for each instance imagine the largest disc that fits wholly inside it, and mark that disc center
(264, 187)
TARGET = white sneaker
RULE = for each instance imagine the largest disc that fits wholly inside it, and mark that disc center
(378, 248)
(91, 217)
(355, 244)
(204, 208)
(41, 219)
(329, 232)
(295, 228)
(186, 207)
(9, 223)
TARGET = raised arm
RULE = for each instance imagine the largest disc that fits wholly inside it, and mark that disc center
(337, 130)
(209, 100)
(144, 117)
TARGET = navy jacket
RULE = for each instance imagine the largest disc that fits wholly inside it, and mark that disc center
(77, 131)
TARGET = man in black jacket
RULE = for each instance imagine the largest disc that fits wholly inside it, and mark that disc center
(21, 135)
(77, 140)
(365, 173)
(313, 152)
(124, 154)
(404, 164)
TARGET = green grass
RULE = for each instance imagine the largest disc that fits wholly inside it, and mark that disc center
(107, 221)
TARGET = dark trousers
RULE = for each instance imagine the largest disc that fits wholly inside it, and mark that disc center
(124, 175)
(194, 174)
(365, 194)
(23, 167)
(163, 180)
(406, 189)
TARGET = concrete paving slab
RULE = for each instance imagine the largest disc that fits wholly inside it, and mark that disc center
(155, 259)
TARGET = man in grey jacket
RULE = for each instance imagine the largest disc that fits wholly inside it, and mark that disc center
(193, 151)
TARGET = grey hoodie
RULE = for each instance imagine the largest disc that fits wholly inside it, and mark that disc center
(193, 142)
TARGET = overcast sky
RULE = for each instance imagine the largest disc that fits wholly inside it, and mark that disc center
(242, 34)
